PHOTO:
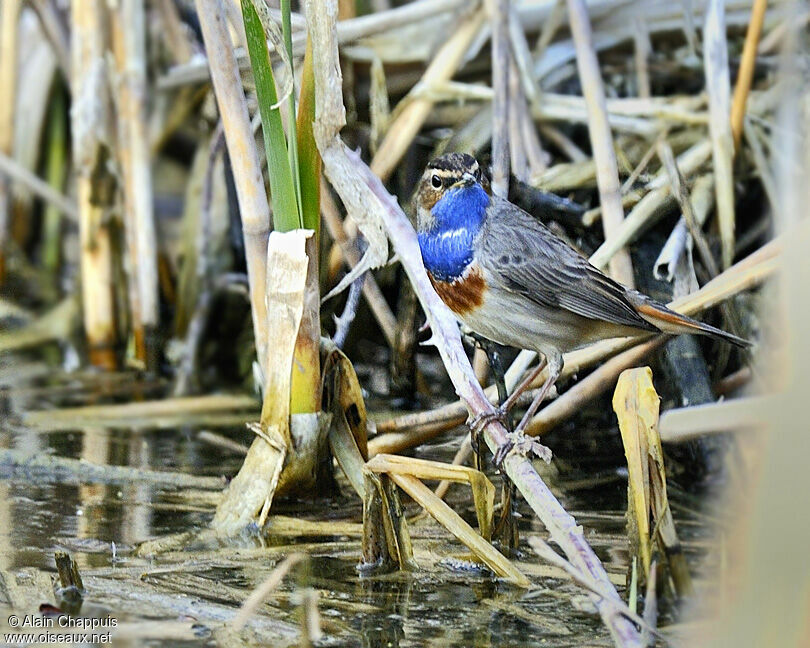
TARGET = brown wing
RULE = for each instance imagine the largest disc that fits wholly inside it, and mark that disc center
(525, 257)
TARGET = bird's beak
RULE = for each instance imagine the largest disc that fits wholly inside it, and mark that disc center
(467, 180)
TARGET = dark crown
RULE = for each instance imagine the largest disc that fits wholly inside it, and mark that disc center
(459, 162)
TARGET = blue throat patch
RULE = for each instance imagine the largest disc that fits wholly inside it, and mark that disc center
(447, 248)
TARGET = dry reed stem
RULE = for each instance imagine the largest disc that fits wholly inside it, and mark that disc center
(374, 23)
(253, 207)
(687, 423)
(642, 50)
(34, 463)
(689, 162)
(715, 61)
(129, 44)
(607, 173)
(482, 489)
(9, 16)
(407, 124)
(189, 406)
(596, 383)
(95, 184)
(55, 28)
(453, 522)
(499, 17)
(13, 170)
(175, 36)
(746, 71)
(350, 176)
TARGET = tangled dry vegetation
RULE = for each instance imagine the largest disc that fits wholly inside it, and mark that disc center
(181, 184)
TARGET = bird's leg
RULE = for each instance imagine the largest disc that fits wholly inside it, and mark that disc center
(505, 407)
(499, 376)
(518, 441)
(506, 531)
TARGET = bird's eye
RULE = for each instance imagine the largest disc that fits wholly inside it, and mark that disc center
(436, 182)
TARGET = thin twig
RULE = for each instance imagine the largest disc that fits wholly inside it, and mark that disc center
(746, 72)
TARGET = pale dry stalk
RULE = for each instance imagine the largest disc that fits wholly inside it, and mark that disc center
(253, 207)
(501, 57)
(607, 172)
(129, 44)
(9, 15)
(715, 61)
(95, 184)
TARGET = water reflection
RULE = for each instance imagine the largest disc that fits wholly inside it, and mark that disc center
(101, 523)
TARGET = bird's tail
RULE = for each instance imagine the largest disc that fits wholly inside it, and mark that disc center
(671, 322)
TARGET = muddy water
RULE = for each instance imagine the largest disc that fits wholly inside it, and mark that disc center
(189, 595)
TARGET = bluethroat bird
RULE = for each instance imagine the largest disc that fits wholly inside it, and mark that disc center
(511, 280)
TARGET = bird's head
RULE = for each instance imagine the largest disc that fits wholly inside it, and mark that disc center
(448, 176)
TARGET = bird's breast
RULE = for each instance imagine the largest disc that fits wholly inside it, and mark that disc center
(465, 293)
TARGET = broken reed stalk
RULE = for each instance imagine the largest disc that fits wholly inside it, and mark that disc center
(129, 45)
(174, 36)
(715, 61)
(746, 71)
(607, 173)
(252, 490)
(253, 207)
(96, 184)
(360, 189)
(659, 195)
(13, 170)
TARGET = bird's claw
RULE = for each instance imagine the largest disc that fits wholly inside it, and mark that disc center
(518, 443)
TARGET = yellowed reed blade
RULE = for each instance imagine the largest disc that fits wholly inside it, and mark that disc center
(482, 489)
(636, 404)
(343, 397)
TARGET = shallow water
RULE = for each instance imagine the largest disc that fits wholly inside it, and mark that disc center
(188, 596)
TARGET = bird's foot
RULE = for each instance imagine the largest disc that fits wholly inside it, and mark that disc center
(518, 443)
(478, 422)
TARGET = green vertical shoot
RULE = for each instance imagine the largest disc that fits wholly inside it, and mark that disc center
(286, 214)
